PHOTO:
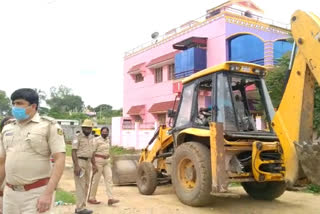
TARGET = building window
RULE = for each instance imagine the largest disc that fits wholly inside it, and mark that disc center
(127, 124)
(171, 72)
(239, 51)
(158, 75)
(138, 78)
(281, 48)
(137, 118)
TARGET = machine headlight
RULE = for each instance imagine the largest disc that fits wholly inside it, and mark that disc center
(259, 71)
(235, 67)
(245, 68)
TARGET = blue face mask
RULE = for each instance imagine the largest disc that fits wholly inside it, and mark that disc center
(20, 113)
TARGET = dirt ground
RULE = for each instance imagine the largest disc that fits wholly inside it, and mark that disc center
(164, 201)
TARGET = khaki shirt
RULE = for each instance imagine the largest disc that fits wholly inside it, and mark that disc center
(83, 145)
(27, 149)
(101, 146)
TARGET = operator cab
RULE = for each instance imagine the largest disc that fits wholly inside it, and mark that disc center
(232, 93)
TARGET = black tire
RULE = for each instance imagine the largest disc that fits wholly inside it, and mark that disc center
(146, 178)
(199, 180)
(265, 190)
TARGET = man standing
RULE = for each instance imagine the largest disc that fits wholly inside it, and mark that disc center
(3, 122)
(101, 158)
(25, 149)
(81, 156)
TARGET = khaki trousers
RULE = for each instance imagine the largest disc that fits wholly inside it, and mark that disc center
(104, 169)
(82, 184)
(1, 197)
(15, 202)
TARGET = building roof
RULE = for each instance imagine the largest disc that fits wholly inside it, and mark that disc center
(162, 58)
(136, 110)
(136, 67)
(162, 107)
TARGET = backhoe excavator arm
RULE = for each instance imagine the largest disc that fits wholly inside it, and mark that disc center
(293, 122)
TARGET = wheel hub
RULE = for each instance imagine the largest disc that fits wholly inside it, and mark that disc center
(190, 173)
(187, 174)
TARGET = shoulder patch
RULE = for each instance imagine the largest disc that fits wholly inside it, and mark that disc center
(8, 134)
(8, 127)
(10, 121)
(50, 119)
(75, 141)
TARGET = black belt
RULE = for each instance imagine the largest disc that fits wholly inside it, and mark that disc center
(83, 158)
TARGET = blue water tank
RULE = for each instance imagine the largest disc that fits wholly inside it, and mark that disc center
(190, 61)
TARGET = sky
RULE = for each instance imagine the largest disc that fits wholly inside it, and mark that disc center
(81, 43)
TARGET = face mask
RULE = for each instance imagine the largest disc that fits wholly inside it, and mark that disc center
(20, 113)
(86, 132)
(104, 135)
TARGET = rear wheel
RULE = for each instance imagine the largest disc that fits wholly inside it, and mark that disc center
(146, 178)
(191, 174)
(265, 190)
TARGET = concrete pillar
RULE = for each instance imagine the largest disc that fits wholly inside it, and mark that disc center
(136, 129)
(268, 53)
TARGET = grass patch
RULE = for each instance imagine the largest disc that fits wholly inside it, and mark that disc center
(117, 150)
(68, 149)
(235, 184)
(64, 196)
(313, 188)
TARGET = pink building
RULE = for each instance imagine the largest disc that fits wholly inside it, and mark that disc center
(152, 73)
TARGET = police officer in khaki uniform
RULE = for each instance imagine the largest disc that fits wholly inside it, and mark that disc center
(3, 122)
(101, 158)
(25, 149)
(81, 156)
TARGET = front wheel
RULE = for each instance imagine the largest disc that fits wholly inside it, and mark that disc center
(265, 190)
(146, 178)
(191, 174)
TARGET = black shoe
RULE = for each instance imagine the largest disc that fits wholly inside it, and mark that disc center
(84, 211)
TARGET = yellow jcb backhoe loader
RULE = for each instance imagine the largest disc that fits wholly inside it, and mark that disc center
(226, 130)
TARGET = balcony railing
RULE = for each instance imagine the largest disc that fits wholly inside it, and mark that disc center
(258, 61)
(140, 126)
(205, 18)
(128, 126)
(146, 126)
(257, 18)
(183, 74)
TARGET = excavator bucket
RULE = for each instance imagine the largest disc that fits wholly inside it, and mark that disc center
(124, 169)
(309, 157)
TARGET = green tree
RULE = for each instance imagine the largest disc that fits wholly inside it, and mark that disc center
(43, 110)
(275, 80)
(90, 108)
(42, 95)
(103, 110)
(117, 113)
(62, 100)
(4, 104)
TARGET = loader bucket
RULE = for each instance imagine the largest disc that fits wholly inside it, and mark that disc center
(124, 169)
(309, 157)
